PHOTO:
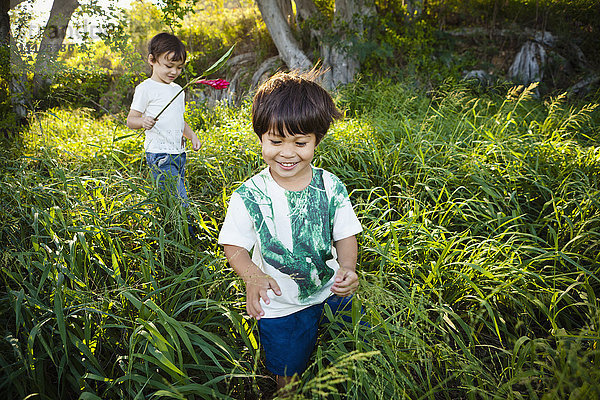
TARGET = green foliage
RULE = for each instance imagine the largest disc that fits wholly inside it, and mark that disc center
(97, 77)
(207, 30)
(326, 7)
(8, 120)
(76, 87)
(104, 315)
(107, 74)
(144, 21)
(85, 144)
(390, 44)
(575, 20)
(214, 27)
(478, 260)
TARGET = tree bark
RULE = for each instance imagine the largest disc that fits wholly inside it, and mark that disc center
(268, 65)
(4, 22)
(20, 95)
(286, 10)
(305, 9)
(54, 35)
(7, 114)
(281, 33)
(339, 57)
(13, 75)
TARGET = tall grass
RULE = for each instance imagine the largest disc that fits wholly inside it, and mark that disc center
(478, 261)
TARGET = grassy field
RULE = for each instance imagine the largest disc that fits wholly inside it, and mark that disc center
(479, 258)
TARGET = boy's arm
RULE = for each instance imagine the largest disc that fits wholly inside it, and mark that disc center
(346, 280)
(257, 282)
(135, 120)
(189, 133)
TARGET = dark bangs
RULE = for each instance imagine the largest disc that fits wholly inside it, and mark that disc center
(169, 44)
(293, 104)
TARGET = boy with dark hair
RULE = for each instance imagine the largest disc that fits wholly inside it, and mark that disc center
(165, 137)
(299, 222)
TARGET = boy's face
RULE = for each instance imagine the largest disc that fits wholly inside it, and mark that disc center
(164, 70)
(289, 158)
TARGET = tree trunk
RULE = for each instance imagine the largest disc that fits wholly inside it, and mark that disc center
(54, 35)
(339, 57)
(4, 22)
(20, 95)
(305, 9)
(281, 33)
(6, 113)
(267, 66)
(12, 109)
(286, 10)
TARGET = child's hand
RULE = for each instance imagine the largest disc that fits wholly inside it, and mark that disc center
(256, 289)
(189, 134)
(345, 282)
(196, 143)
(148, 122)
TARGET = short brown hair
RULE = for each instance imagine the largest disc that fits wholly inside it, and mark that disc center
(293, 103)
(167, 43)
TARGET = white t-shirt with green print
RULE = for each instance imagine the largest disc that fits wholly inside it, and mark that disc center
(291, 235)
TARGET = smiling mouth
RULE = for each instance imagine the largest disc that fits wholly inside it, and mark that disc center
(287, 164)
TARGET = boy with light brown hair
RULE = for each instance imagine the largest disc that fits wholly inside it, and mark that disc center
(164, 141)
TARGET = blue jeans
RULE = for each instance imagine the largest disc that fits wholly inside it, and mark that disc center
(289, 341)
(168, 170)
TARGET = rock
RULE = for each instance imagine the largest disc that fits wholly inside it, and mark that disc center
(241, 59)
(584, 86)
(528, 66)
(544, 38)
(480, 76)
(268, 66)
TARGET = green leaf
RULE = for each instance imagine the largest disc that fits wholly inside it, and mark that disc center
(220, 62)
(96, 378)
(89, 396)
(127, 136)
(156, 357)
(118, 160)
(133, 299)
(18, 304)
(59, 312)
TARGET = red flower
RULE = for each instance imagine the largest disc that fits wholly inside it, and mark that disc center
(214, 83)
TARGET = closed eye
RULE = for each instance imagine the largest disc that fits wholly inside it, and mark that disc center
(275, 142)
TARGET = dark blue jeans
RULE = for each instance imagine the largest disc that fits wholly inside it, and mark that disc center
(168, 171)
(289, 341)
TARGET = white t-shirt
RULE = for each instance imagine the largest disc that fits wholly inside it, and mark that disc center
(149, 98)
(292, 235)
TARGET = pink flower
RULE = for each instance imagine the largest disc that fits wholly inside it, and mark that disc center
(214, 83)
